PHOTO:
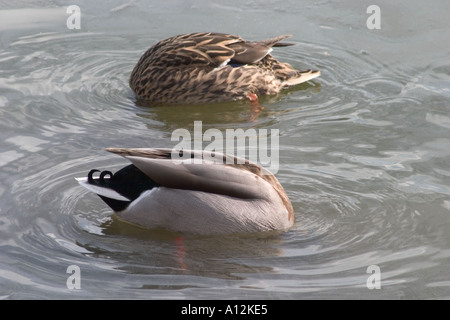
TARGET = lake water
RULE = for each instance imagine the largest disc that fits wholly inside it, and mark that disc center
(364, 152)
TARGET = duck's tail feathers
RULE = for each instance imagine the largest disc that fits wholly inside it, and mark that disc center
(302, 77)
(101, 191)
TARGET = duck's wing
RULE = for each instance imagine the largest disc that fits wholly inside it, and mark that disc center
(208, 49)
(201, 171)
(253, 51)
(194, 49)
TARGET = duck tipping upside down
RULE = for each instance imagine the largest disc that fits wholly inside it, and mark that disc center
(212, 67)
(207, 198)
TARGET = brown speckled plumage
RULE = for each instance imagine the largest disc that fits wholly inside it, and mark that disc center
(212, 67)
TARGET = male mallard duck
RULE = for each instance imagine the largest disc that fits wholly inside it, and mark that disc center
(212, 67)
(160, 191)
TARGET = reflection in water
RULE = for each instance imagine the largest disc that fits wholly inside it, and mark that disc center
(239, 114)
(221, 257)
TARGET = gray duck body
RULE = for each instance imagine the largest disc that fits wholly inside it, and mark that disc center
(207, 193)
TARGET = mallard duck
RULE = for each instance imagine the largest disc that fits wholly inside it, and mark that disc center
(207, 193)
(212, 67)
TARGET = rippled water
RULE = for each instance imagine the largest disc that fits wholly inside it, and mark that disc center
(364, 153)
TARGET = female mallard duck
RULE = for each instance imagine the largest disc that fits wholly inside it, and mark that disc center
(212, 67)
(207, 193)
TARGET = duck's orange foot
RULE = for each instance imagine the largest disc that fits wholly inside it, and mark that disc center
(181, 251)
(254, 101)
(252, 97)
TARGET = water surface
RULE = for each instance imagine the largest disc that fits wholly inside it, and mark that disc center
(364, 152)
